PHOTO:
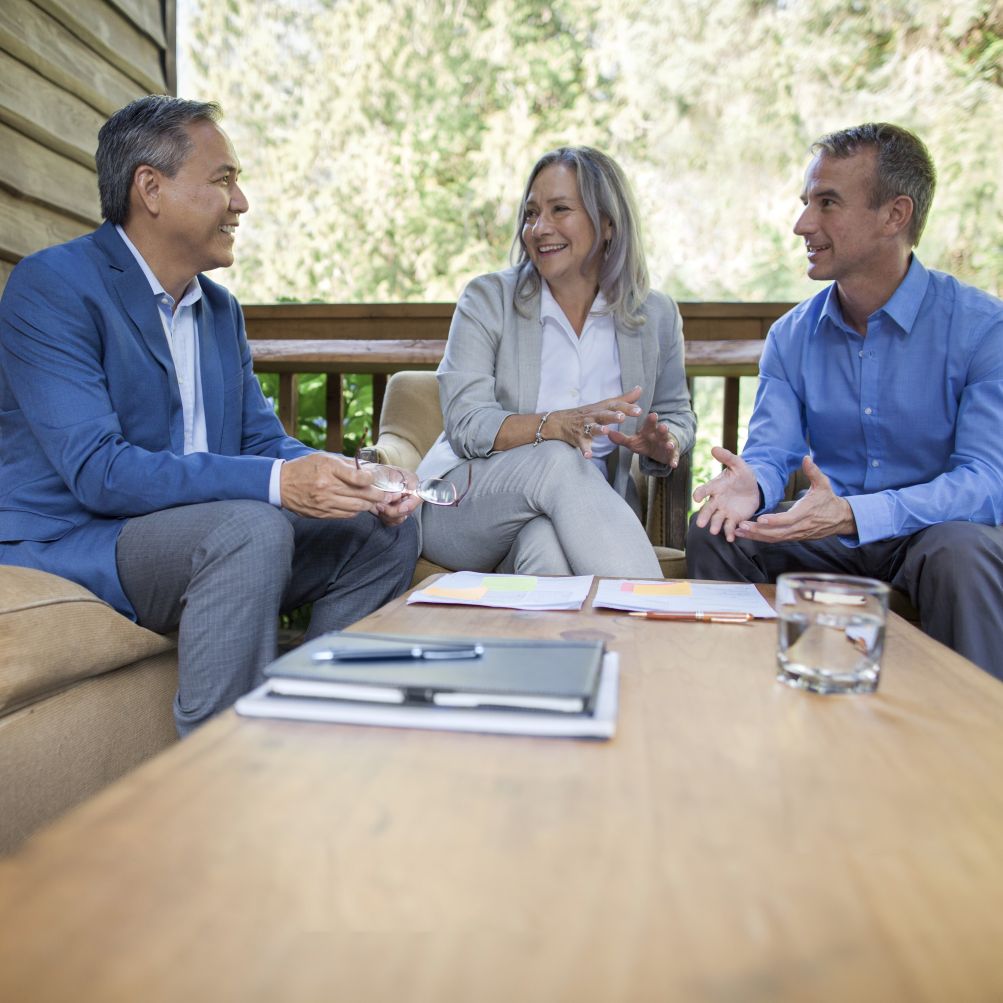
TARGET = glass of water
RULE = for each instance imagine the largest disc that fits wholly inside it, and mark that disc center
(831, 632)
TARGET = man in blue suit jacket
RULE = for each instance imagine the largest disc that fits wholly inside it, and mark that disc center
(138, 455)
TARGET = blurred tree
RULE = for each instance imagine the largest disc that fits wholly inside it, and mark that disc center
(385, 144)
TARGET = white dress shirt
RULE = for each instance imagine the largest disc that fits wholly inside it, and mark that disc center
(578, 370)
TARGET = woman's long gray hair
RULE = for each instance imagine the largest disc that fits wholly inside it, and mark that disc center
(606, 195)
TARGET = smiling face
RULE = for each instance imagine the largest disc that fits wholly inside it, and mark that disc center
(200, 207)
(845, 238)
(557, 232)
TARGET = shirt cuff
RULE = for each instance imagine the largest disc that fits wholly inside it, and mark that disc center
(872, 514)
(275, 484)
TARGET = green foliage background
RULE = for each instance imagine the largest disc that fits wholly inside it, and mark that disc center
(385, 144)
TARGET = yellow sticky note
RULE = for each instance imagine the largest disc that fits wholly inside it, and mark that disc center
(471, 595)
(511, 583)
(662, 589)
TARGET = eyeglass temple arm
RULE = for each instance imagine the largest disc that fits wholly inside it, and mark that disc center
(470, 477)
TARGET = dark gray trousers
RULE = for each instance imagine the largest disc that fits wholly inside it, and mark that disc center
(219, 573)
(953, 574)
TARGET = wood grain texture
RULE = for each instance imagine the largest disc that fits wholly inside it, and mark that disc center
(47, 113)
(147, 15)
(46, 177)
(397, 321)
(129, 47)
(322, 355)
(736, 841)
(25, 227)
(48, 46)
(339, 355)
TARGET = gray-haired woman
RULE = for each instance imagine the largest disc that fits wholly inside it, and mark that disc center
(556, 372)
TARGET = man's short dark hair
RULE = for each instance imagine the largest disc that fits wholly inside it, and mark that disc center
(904, 166)
(151, 130)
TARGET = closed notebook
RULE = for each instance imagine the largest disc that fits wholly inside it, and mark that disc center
(553, 676)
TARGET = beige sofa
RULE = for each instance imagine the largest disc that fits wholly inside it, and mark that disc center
(85, 695)
(411, 420)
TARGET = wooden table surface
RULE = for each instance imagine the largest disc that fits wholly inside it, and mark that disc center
(737, 841)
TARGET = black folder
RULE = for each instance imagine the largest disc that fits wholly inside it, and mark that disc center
(489, 673)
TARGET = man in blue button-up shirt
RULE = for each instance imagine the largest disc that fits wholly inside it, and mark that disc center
(894, 375)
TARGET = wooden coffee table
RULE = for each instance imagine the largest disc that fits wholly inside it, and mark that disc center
(736, 841)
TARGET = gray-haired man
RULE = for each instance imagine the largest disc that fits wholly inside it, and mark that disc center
(138, 455)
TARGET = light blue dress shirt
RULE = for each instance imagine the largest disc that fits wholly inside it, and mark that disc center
(906, 422)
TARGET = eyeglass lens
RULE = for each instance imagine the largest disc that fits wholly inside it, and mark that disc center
(433, 490)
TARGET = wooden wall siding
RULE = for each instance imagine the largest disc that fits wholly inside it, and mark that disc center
(65, 66)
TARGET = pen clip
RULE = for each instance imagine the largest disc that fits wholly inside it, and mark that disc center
(444, 654)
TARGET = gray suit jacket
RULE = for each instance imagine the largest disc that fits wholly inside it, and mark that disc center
(491, 369)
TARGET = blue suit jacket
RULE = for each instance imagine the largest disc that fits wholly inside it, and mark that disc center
(91, 427)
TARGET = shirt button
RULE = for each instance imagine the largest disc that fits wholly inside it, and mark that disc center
(867, 410)
(875, 463)
(574, 395)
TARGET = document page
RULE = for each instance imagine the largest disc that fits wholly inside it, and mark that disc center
(471, 588)
(681, 597)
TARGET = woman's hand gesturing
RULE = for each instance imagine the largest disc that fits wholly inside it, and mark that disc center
(579, 425)
(653, 439)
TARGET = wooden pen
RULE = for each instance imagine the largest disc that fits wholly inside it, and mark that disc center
(696, 616)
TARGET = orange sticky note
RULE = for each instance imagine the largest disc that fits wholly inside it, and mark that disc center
(471, 595)
(659, 588)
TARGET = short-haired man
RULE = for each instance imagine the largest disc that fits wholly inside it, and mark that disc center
(893, 377)
(138, 455)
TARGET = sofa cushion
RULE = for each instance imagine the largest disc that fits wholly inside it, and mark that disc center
(54, 632)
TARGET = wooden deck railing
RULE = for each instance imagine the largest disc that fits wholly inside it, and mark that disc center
(722, 340)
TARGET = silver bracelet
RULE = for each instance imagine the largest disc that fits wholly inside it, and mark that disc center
(539, 429)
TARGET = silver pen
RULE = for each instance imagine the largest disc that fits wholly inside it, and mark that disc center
(414, 652)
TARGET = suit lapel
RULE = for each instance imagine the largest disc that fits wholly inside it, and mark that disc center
(632, 346)
(135, 295)
(529, 339)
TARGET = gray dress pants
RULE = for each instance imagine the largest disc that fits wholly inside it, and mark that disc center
(952, 572)
(219, 573)
(542, 510)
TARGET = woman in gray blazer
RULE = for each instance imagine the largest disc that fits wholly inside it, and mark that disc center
(556, 372)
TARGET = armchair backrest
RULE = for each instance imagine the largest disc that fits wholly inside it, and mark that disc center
(411, 419)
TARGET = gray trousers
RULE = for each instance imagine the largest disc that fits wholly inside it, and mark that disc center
(538, 510)
(219, 573)
(953, 574)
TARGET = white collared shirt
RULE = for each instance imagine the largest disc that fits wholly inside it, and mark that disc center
(578, 370)
(181, 332)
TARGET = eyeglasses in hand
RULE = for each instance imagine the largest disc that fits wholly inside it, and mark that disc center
(433, 490)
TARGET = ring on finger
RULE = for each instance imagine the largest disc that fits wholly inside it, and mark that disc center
(588, 429)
